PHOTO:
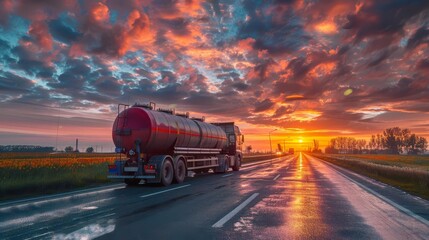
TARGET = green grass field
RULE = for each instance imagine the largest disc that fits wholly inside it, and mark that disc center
(30, 174)
(409, 173)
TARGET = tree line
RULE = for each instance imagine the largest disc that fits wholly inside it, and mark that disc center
(25, 148)
(391, 140)
(32, 148)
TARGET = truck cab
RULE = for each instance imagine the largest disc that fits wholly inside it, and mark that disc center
(234, 145)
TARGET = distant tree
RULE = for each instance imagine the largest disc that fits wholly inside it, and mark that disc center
(410, 144)
(393, 140)
(90, 150)
(333, 143)
(249, 149)
(422, 144)
(316, 146)
(25, 148)
(342, 144)
(371, 143)
(68, 149)
(331, 150)
(378, 142)
(361, 143)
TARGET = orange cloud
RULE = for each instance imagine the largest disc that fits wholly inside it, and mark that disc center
(140, 32)
(326, 27)
(246, 45)
(40, 32)
(305, 115)
(322, 69)
(100, 12)
(190, 8)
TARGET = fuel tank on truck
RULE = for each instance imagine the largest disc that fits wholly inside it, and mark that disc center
(159, 132)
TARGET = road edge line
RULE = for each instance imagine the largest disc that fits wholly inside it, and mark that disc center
(392, 203)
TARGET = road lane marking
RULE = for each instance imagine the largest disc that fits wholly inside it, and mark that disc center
(279, 159)
(55, 199)
(90, 208)
(403, 209)
(168, 190)
(275, 178)
(227, 175)
(231, 214)
(89, 215)
(47, 215)
(40, 235)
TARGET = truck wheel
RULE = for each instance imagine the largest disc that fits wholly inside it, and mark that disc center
(237, 165)
(131, 181)
(180, 171)
(226, 165)
(167, 173)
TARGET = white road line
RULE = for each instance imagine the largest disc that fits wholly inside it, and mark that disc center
(227, 175)
(72, 193)
(168, 190)
(231, 214)
(276, 177)
(57, 199)
(265, 161)
(107, 215)
(40, 235)
(405, 210)
(48, 215)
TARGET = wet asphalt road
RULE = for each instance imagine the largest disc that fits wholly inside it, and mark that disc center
(295, 197)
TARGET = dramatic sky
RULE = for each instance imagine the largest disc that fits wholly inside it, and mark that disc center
(310, 69)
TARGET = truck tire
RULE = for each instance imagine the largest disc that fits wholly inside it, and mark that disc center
(131, 181)
(226, 165)
(180, 171)
(223, 166)
(167, 173)
(237, 164)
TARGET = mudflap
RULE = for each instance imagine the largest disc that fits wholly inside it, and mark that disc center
(223, 162)
(157, 160)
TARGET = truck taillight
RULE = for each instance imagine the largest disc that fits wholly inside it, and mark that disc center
(113, 169)
(149, 168)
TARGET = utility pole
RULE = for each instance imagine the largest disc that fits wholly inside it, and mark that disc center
(269, 136)
(56, 139)
(284, 145)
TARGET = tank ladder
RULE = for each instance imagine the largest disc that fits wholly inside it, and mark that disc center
(124, 117)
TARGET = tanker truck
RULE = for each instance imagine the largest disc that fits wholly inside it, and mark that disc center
(162, 146)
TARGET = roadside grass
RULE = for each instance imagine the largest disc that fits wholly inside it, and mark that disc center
(255, 158)
(29, 174)
(409, 173)
(32, 174)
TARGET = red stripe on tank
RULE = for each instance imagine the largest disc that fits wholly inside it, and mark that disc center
(167, 130)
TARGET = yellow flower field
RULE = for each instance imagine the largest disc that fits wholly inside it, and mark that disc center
(28, 174)
(39, 173)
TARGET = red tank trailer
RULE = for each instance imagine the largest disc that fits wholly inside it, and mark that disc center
(162, 146)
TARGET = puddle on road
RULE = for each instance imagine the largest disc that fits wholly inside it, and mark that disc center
(89, 232)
